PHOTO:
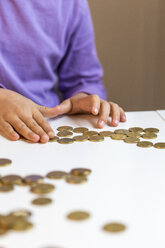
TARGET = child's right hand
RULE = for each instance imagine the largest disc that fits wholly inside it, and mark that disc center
(21, 116)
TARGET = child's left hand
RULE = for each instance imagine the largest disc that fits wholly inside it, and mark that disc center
(83, 103)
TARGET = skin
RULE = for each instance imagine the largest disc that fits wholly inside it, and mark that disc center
(21, 116)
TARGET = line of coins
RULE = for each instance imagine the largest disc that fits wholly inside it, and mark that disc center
(132, 135)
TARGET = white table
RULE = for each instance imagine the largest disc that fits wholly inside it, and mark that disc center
(161, 113)
(127, 184)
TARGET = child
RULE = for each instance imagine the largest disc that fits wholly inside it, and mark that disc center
(38, 40)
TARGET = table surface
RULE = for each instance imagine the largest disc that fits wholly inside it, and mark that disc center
(161, 113)
(127, 185)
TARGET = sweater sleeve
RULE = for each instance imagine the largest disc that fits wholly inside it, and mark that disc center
(80, 69)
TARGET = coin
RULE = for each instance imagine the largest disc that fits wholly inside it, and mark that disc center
(54, 139)
(136, 129)
(90, 133)
(31, 179)
(114, 227)
(80, 138)
(80, 129)
(134, 134)
(145, 144)
(106, 133)
(6, 188)
(57, 175)
(80, 172)
(43, 188)
(21, 213)
(97, 138)
(118, 136)
(64, 134)
(121, 131)
(22, 225)
(11, 179)
(131, 140)
(149, 136)
(78, 216)
(65, 141)
(160, 145)
(2, 231)
(76, 180)
(42, 201)
(65, 128)
(5, 162)
(151, 130)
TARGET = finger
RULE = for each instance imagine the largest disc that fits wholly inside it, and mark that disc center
(22, 129)
(95, 104)
(115, 113)
(48, 112)
(8, 132)
(104, 114)
(65, 107)
(122, 115)
(44, 125)
(37, 129)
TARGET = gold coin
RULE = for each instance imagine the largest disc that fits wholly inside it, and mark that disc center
(121, 131)
(65, 134)
(76, 180)
(118, 136)
(22, 225)
(80, 138)
(65, 141)
(65, 128)
(151, 130)
(54, 139)
(90, 133)
(2, 231)
(114, 227)
(80, 172)
(97, 138)
(78, 216)
(131, 140)
(11, 179)
(80, 129)
(57, 175)
(145, 144)
(6, 188)
(42, 201)
(160, 145)
(136, 129)
(5, 162)
(149, 136)
(134, 135)
(31, 179)
(43, 188)
(21, 213)
(106, 133)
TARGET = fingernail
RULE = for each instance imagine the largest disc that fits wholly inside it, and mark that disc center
(34, 136)
(102, 123)
(51, 134)
(116, 122)
(95, 110)
(44, 138)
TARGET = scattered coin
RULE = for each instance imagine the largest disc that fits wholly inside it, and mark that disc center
(80, 172)
(90, 133)
(151, 130)
(80, 129)
(65, 134)
(75, 179)
(78, 216)
(121, 131)
(134, 135)
(11, 179)
(21, 213)
(43, 188)
(5, 162)
(106, 133)
(65, 128)
(80, 138)
(54, 139)
(42, 201)
(160, 145)
(6, 188)
(131, 140)
(114, 227)
(57, 175)
(97, 138)
(22, 225)
(149, 136)
(145, 144)
(118, 136)
(65, 141)
(136, 129)
(31, 179)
